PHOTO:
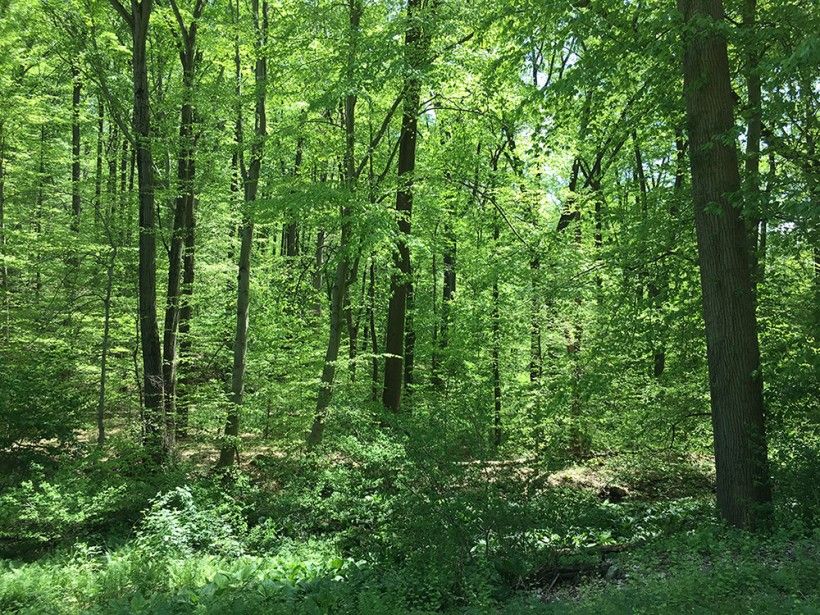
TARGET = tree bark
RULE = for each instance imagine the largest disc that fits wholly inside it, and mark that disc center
(496, 332)
(99, 163)
(4, 280)
(753, 133)
(109, 284)
(415, 43)
(291, 230)
(410, 337)
(340, 280)
(743, 492)
(153, 385)
(374, 340)
(229, 450)
(180, 256)
(76, 202)
(156, 439)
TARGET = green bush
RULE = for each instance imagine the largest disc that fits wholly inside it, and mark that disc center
(183, 522)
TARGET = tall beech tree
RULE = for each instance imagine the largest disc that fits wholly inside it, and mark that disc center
(341, 278)
(181, 253)
(249, 176)
(735, 379)
(158, 437)
(416, 42)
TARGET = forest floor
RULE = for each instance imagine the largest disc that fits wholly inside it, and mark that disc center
(377, 529)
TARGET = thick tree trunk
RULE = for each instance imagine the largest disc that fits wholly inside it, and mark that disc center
(156, 437)
(743, 492)
(153, 386)
(415, 49)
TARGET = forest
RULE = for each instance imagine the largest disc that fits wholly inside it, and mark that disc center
(409, 306)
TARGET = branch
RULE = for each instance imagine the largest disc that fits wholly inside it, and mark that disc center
(180, 21)
(374, 143)
(127, 17)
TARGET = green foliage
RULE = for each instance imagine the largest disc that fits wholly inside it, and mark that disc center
(42, 396)
(179, 522)
(598, 496)
(78, 498)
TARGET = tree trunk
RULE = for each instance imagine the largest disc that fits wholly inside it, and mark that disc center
(180, 257)
(99, 164)
(109, 284)
(410, 337)
(76, 202)
(743, 492)
(318, 282)
(340, 280)
(153, 385)
(4, 280)
(415, 44)
(496, 331)
(753, 132)
(154, 391)
(536, 357)
(229, 450)
(291, 229)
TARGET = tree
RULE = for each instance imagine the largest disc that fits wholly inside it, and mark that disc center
(735, 380)
(250, 181)
(416, 40)
(181, 254)
(158, 437)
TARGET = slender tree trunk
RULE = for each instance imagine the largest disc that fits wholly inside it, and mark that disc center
(99, 164)
(76, 202)
(374, 340)
(410, 337)
(154, 391)
(180, 257)
(291, 229)
(185, 314)
(228, 452)
(536, 356)
(318, 282)
(442, 334)
(122, 202)
(496, 332)
(763, 231)
(353, 317)
(340, 280)
(753, 132)
(4, 275)
(415, 43)
(743, 492)
(109, 284)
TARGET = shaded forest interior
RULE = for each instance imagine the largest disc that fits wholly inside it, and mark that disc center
(419, 306)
